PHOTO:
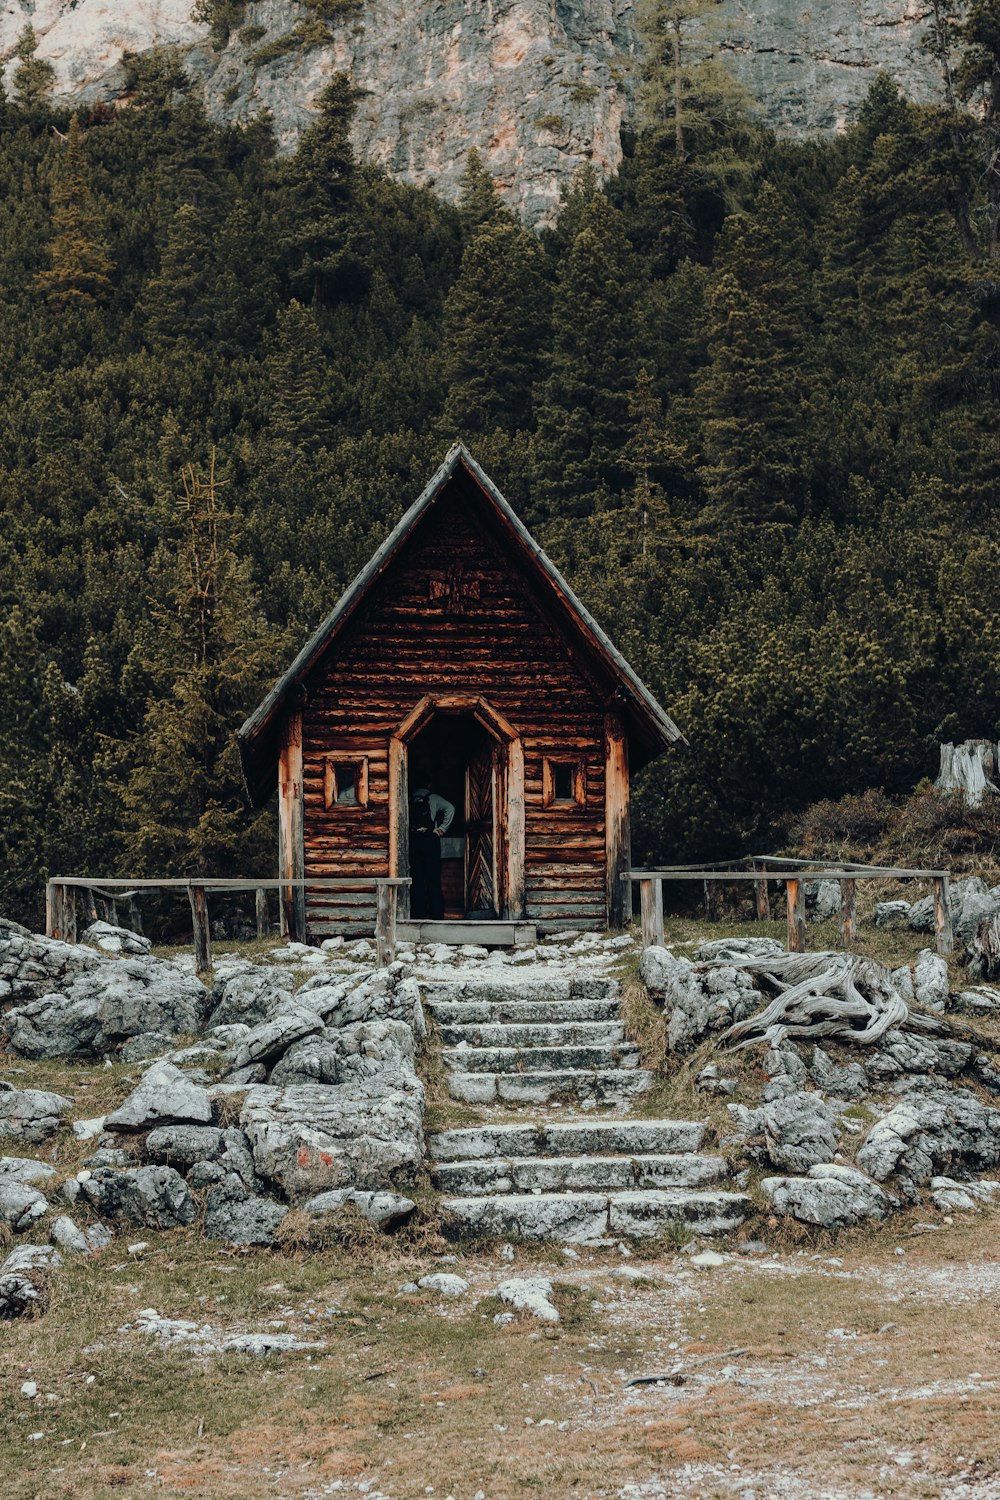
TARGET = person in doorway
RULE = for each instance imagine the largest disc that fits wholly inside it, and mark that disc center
(430, 818)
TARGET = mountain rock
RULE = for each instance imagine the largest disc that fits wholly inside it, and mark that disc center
(539, 86)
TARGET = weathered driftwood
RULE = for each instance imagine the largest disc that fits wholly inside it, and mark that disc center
(827, 995)
(984, 950)
(968, 768)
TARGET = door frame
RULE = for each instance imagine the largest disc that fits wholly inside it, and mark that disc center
(509, 820)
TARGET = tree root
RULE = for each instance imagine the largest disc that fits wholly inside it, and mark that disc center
(835, 995)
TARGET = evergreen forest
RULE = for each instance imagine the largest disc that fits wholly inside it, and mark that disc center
(745, 394)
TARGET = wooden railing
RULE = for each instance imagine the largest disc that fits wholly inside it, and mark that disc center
(60, 904)
(793, 874)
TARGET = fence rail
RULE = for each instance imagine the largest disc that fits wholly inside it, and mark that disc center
(764, 869)
(61, 892)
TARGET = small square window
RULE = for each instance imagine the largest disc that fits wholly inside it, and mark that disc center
(345, 783)
(564, 783)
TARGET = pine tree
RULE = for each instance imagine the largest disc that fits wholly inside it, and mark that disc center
(495, 325)
(178, 303)
(207, 653)
(301, 389)
(321, 189)
(33, 76)
(582, 406)
(479, 202)
(80, 268)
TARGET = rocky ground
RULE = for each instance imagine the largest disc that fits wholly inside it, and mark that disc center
(228, 1260)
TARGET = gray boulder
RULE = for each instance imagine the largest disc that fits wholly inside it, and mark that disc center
(165, 1094)
(69, 1237)
(936, 1132)
(696, 1000)
(905, 1052)
(23, 1276)
(24, 1169)
(902, 981)
(848, 1082)
(314, 1059)
(21, 1205)
(116, 940)
(156, 1197)
(31, 1114)
(385, 1210)
(830, 1195)
(182, 1145)
(383, 995)
(728, 950)
(971, 903)
(823, 899)
(310, 1138)
(893, 913)
(30, 965)
(148, 1044)
(369, 1047)
(248, 993)
(97, 1010)
(785, 1070)
(271, 1039)
(930, 980)
(239, 1217)
(799, 1131)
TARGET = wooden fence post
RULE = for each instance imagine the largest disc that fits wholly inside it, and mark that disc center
(51, 897)
(942, 914)
(762, 900)
(69, 913)
(202, 937)
(263, 922)
(385, 925)
(796, 894)
(848, 913)
(651, 908)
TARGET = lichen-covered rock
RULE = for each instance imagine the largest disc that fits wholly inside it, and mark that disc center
(116, 940)
(268, 1041)
(98, 1009)
(31, 1114)
(157, 1197)
(314, 1059)
(310, 1138)
(383, 1209)
(23, 1277)
(830, 1195)
(905, 1052)
(76, 1241)
(935, 1132)
(786, 1072)
(800, 1131)
(164, 1094)
(726, 950)
(930, 980)
(823, 899)
(530, 1294)
(383, 995)
(240, 1217)
(696, 999)
(848, 1082)
(24, 1169)
(182, 1145)
(892, 913)
(20, 1204)
(971, 903)
(30, 965)
(247, 993)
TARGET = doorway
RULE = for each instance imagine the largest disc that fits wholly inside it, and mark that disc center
(457, 757)
(475, 759)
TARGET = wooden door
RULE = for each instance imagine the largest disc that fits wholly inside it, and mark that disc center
(480, 789)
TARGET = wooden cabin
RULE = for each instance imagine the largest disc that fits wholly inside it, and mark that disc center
(459, 648)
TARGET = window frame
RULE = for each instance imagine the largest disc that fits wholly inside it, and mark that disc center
(578, 771)
(333, 766)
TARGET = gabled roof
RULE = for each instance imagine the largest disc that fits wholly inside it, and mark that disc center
(258, 736)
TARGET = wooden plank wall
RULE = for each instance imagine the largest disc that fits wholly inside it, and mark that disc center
(454, 615)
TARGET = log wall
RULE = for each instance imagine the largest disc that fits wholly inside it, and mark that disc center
(455, 614)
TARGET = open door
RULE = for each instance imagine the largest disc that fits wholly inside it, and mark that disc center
(480, 832)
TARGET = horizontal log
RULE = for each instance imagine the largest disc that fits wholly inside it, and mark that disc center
(208, 883)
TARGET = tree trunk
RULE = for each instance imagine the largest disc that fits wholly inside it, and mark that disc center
(968, 768)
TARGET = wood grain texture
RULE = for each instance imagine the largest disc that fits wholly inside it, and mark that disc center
(411, 641)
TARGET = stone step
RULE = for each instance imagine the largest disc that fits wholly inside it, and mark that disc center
(555, 1034)
(602, 1086)
(537, 1059)
(561, 1174)
(568, 1138)
(521, 1012)
(572, 1218)
(499, 987)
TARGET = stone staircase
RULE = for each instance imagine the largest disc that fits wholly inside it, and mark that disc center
(559, 1044)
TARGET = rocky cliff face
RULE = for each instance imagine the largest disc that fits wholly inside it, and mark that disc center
(539, 86)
